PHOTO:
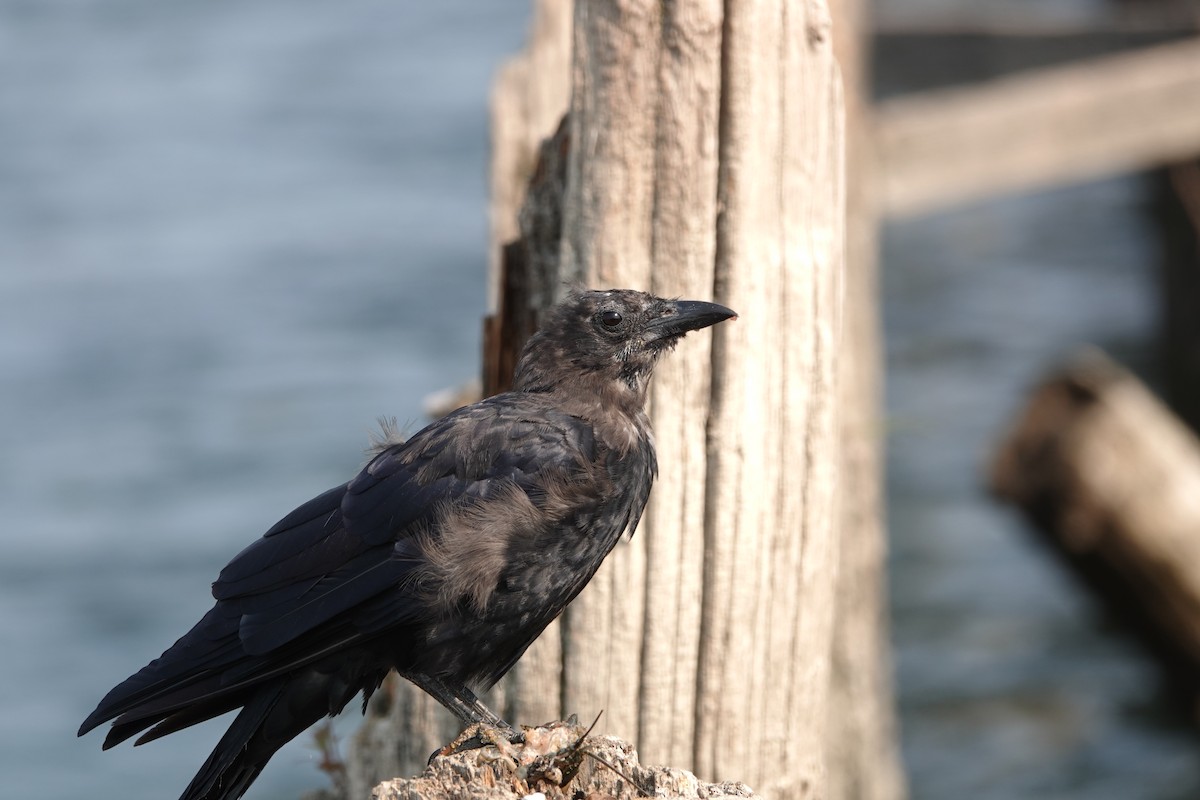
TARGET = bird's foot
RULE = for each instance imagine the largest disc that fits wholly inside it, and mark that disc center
(481, 734)
(560, 749)
(537, 757)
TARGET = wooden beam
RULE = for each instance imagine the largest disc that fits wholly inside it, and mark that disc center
(1103, 116)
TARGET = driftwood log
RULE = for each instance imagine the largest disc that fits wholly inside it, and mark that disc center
(1112, 480)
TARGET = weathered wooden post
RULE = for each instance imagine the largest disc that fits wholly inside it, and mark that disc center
(771, 499)
(703, 156)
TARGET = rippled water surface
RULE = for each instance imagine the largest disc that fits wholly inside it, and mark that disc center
(231, 236)
(1011, 683)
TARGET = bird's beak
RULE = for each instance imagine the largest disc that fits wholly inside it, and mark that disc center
(689, 315)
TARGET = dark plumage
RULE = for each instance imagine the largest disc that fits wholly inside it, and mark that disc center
(443, 559)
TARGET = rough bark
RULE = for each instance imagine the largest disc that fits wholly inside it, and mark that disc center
(771, 515)
(1112, 480)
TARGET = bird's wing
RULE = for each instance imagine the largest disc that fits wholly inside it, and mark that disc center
(290, 583)
(312, 584)
(198, 664)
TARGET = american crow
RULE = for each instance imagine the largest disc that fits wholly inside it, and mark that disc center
(443, 559)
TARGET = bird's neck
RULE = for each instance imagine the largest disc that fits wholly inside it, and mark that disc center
(587, 391)
(616, 412)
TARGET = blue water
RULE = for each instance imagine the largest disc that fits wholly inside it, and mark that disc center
(231, 236)
(234, 234)
(1011, 684)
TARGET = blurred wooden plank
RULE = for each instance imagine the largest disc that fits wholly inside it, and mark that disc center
(1112, 479)
(1113, 114)
(911, 62)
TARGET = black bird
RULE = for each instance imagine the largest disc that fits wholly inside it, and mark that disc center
(443, 559)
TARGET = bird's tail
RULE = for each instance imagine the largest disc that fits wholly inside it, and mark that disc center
(240, 755)
(276, 713)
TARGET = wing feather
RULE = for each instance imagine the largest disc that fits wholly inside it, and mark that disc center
(333, 572)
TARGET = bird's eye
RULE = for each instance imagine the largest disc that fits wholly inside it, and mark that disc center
(611, 319)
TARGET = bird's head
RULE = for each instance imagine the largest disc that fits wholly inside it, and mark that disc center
(609, 337)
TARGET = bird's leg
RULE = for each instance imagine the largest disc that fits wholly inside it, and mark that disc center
(484, 726)
(459, 701)
(484, 714)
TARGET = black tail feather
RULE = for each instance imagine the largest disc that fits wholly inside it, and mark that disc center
(189, 670)
(242, 752)
(186, 718)
(275, 712)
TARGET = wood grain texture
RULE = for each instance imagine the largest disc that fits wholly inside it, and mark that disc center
(683, 249)
(607, 211)
(771, 505)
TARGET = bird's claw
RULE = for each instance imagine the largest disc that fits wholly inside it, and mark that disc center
(482, 734)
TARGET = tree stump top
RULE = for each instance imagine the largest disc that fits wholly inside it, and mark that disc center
(558, 762)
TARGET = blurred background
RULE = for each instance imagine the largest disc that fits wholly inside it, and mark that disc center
(232, 235)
